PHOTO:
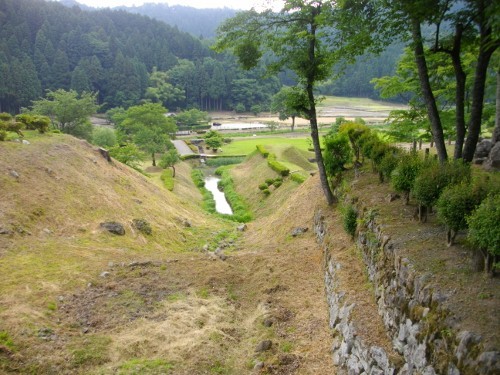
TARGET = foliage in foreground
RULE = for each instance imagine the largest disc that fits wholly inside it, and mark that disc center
(458, 201)
(484, 228)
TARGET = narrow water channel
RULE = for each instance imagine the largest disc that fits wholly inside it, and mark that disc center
(221, 205)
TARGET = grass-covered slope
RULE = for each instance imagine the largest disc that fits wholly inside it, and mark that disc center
(54, 194)
(76, 299)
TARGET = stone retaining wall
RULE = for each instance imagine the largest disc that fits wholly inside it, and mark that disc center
(422, 330)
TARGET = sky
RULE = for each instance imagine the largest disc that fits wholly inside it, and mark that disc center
(235, 4)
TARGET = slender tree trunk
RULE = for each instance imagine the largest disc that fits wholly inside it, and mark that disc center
(154, 159)
(460, 78)
(486, 50)
(313, 116)
(293, 123)
(430, 100)
(173, 171)
(496, 132)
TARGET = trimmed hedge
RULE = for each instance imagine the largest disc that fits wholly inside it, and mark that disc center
(190, 156)
(262, 151)
(277, 166)
(297, 177)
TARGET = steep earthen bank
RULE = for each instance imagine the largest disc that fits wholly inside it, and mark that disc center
(422, 329)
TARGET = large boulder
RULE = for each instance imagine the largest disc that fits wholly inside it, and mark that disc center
(493, 161)
(483, 149)
(113, 227)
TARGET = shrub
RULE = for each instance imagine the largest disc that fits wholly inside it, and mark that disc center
(427, 187)
(240, 108)
(337, 153)
(198, 178)
(388, 163)
(104, 137)
(354, 131)
(263, 186)
(262, 151)
(403, 176)
(349, 219)
(3, 135)
(127, 154)
(256, 109)
(277, 166)
(189, 156)
(266, 192)
(456, 202)
(241, 212)
(297, 177)
(226, 160)
(367, 141)
(277, 184)
(269, 181)
(168, 179)
(484, 231)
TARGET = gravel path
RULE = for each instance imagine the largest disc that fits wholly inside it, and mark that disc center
(182, 147)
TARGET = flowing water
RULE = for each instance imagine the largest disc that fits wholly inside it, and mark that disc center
(221, 205)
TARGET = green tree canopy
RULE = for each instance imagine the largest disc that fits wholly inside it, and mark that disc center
(68, 110)
(304, 38)
(147, 126)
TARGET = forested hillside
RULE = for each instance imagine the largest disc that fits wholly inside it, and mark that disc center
(198, 22)
(47, 46)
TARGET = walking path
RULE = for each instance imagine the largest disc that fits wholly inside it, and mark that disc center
(182, 147)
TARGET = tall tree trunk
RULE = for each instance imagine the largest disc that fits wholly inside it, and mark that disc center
(460, 78)
(496, 132)
(488, 44)
(430, 100)
(487, 48)
(154, 159)
(313, 117)
(293, 123)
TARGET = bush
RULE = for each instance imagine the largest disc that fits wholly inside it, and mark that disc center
(127, 154)
(354, 131)
(277, 166)
(403, 176)
(266, 192)
(269, 181)
(484, 230)
(263, 186)
(104, 137)
(168, 179)
(3, 135)
(297, 177)
(256, 109)
(226, 160)
(337, 153)
(456, 202)
(349, 219)
(198, 178)
(433, 179)
(241, 212)
(262, 151)
(388, 163)
(277, 184)
(240, 108)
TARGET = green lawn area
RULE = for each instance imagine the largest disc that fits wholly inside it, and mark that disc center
(245, 146)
